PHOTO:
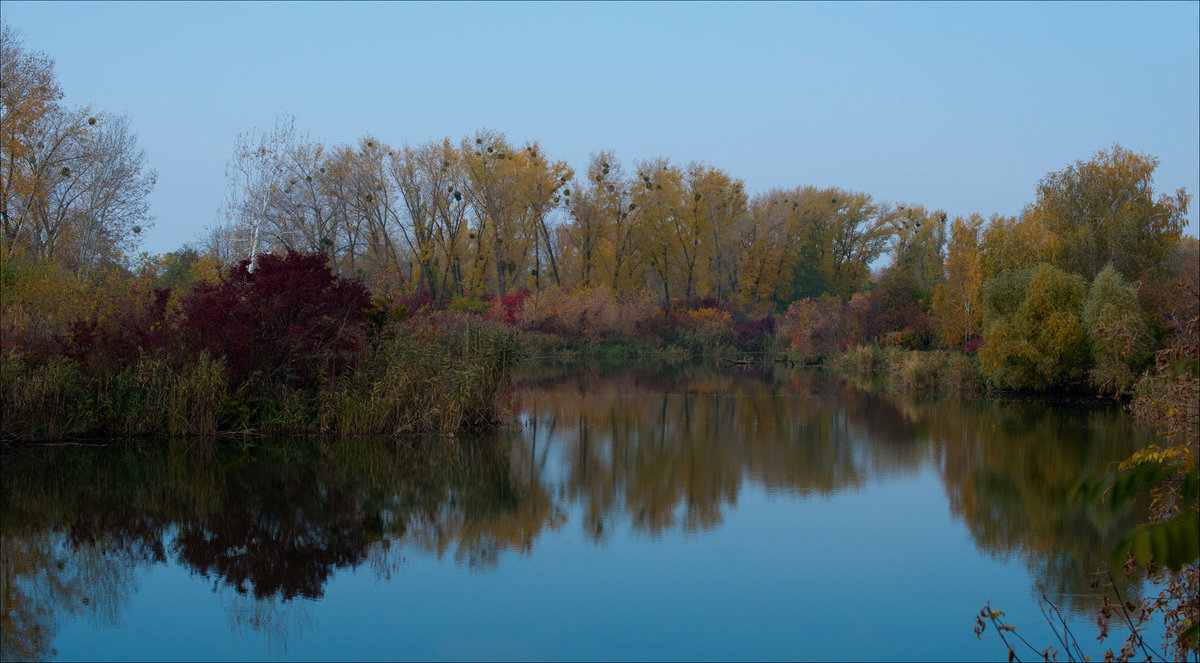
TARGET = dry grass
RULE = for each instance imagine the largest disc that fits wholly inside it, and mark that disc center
(421, 380)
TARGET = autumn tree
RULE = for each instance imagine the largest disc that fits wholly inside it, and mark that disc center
(1009, 242)
(718, 202)
(307, 207)
(600, 230)
(806, 241)
(812, 327)
(433, 224)
(589, 212)
(30, 95)
(541, 180)
(89, 201)
(659, 231)
(1167, 296)
(1105, 211)
(764, 238)
(846, 231)
(353, 175)
(255, 176)
(296, 194)
(115, 209)
(450, 210)
(918, 239)
(370, 251)
(625, 262)
(74, 182)
(687, 231)
(685, 228)
(491, 185)
(423, 179)
(57, 166)
(957, 301)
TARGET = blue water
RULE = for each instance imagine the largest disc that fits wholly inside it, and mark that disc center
(634, 545)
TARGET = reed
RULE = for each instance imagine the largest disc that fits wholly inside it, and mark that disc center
(414, 383)
(45, 402)
(197, 396)
(420, 380)
(867, 359)
(916, 370)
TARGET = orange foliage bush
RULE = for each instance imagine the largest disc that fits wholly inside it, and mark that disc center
(811, 327)
(708, 315)
(589, 315)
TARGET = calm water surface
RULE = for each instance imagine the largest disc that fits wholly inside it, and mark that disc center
(640, 511)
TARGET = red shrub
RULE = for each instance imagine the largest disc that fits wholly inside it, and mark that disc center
(292, 319)
(416, 303)
(973, 344)
(811, 326)
(707, 302)
(752, 333)
(506, 309)
(891, 313)
(136, 324)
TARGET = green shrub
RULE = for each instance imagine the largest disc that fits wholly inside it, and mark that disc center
(469, 305)
(1118, 333)
(135, 401)
(420, 380)
(152, 398)
(289, 410)
(1033, 337)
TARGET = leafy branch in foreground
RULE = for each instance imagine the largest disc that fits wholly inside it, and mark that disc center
(1130, 615)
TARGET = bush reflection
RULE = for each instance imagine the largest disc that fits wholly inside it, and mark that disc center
(657, 449)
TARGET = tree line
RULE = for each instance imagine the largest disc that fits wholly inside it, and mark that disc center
(484, 216)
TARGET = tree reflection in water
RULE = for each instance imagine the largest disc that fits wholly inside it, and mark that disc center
(273, 617)
(282, 529)
(271, 520)
(654, 449)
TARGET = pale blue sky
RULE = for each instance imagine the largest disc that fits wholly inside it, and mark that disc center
(958, 106)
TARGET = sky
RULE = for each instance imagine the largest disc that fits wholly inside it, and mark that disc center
(962, 107)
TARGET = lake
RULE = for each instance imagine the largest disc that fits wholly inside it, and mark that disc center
(635, 510)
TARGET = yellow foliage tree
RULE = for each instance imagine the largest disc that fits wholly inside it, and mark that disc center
(1104, 211)
(957, 302)
(1009, 242)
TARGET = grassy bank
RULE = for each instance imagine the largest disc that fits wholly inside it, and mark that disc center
(414, 380)
(288, 347)
(915, 370)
